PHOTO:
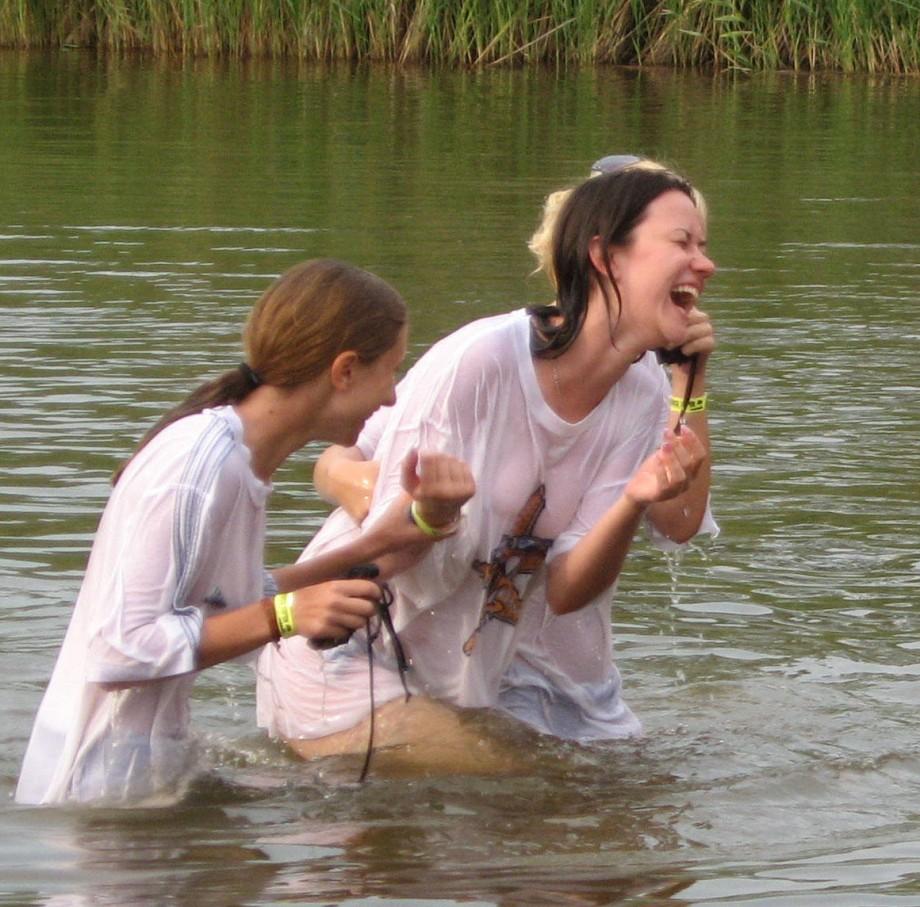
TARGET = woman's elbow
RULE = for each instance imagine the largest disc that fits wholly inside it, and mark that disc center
(680, 531)
(681, 537)
(570, 590)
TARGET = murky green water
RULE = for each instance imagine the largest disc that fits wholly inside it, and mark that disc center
(144, 206)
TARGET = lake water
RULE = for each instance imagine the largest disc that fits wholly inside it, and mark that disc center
(144, 206)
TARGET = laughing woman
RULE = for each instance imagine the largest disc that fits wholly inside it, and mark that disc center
(175, 581)
(563, 414)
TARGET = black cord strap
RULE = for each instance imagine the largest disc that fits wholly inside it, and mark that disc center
(687, 394)
(402, 664)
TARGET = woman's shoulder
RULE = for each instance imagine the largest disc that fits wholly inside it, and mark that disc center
(479, 346)
(208, 436)
(199, 453)
(483, 333)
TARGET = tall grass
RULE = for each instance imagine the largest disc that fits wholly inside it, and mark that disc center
(849, 35)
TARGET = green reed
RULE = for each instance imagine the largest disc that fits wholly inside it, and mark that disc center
(849, 35)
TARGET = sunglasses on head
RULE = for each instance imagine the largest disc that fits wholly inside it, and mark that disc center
(613, 163)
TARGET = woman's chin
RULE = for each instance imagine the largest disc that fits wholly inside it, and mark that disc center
(346, 435)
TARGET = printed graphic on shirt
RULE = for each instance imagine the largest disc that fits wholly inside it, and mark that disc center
(520, 553)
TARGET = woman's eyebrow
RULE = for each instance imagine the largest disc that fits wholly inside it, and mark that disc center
(702, 242)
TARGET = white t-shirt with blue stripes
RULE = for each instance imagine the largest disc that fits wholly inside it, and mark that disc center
(181, 537)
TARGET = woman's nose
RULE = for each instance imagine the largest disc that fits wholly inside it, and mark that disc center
(704, 264)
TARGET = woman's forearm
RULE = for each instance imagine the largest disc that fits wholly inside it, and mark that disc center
(677, 474)
(364, 549)
(331, 610)
(230, 635)
(576, 578)
(679, 518)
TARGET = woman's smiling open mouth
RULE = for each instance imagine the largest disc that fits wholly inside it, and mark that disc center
(685, 296)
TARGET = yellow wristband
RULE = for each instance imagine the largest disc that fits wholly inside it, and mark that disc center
(432, 532)
(284, 613)
(694, 404)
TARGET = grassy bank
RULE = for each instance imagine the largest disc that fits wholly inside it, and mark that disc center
(849, 35)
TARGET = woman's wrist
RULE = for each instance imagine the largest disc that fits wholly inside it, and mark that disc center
(268, 610)
(436, 527)
(278, 611)
(688, 406)
(632, 506)
(436, 517)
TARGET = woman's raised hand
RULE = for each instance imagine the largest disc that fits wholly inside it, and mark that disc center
(668, 472)
(701, 338)
(439, 484)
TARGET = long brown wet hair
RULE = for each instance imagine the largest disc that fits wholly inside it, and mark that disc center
(309, 315)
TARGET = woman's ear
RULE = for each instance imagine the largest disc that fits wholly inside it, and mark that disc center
(342, 370)
(601, 257)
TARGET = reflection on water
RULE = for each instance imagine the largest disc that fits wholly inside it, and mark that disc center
(144, 206)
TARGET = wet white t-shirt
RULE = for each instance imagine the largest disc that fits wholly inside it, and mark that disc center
(472, 615)
(181, 538)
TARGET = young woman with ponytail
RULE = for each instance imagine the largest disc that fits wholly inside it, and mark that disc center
(176, 582)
